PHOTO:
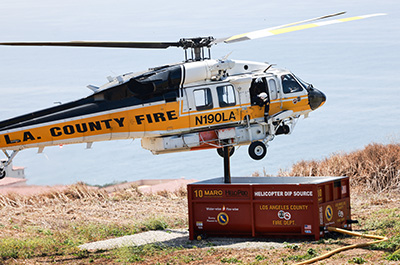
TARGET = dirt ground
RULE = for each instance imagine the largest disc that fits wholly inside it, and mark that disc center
(85, 206)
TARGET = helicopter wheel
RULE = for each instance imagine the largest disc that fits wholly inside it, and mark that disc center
(2, 173)
(220, 151)
(257, 150)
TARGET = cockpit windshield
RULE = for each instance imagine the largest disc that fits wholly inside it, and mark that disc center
(290, 84)
(304, 84)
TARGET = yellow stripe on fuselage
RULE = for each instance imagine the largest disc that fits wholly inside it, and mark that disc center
(155, 120)
(131, 122)
(291, 103)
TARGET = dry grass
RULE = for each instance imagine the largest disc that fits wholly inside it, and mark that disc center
(84, 206)
(83, 192)
(47, 228)
(376, 167)
(78, 191)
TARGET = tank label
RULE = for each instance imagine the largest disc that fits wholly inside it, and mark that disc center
(233, 193)
(223, 208)
(297, 193)
(236, 193)
(283, 222)
(208, 193)
(293, 207)
(321, 218)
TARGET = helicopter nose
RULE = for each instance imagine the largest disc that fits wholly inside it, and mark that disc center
(316, 98)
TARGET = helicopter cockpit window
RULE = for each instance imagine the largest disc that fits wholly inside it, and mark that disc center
(306, 85)
(290, 84)
(226, 96)
(203, 99)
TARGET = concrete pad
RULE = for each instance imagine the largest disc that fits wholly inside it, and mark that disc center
(180, 238)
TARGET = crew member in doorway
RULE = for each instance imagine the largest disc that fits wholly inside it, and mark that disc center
(263, 100)
(259, 95)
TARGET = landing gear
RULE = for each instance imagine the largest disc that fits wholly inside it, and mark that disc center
(220, 151)
(2, 173)
(257, 150)
(5, 163)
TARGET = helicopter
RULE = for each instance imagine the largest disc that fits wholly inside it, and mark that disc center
(200, 103)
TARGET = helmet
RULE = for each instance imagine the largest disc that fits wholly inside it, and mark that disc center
(263, 95)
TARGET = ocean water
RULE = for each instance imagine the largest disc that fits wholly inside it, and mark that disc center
(356, 64)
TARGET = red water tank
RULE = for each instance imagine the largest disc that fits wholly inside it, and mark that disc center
(268, 206)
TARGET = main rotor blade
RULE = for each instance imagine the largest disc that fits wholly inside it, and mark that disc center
(309, 20)
(100, 44)
(290, 28)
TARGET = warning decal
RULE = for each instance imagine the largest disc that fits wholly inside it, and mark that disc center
(223, 218)
(328, 213)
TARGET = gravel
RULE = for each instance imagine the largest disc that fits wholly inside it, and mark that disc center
(180, 238)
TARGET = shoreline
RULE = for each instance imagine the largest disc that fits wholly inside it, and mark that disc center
(18, 186)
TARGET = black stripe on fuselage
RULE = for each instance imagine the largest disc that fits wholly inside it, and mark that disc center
(77, 108)
(137, 91)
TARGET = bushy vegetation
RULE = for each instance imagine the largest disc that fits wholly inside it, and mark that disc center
(376, 167)
(78, 191)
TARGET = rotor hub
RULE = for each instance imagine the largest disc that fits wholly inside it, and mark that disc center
(197, 45)
(198, 42)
